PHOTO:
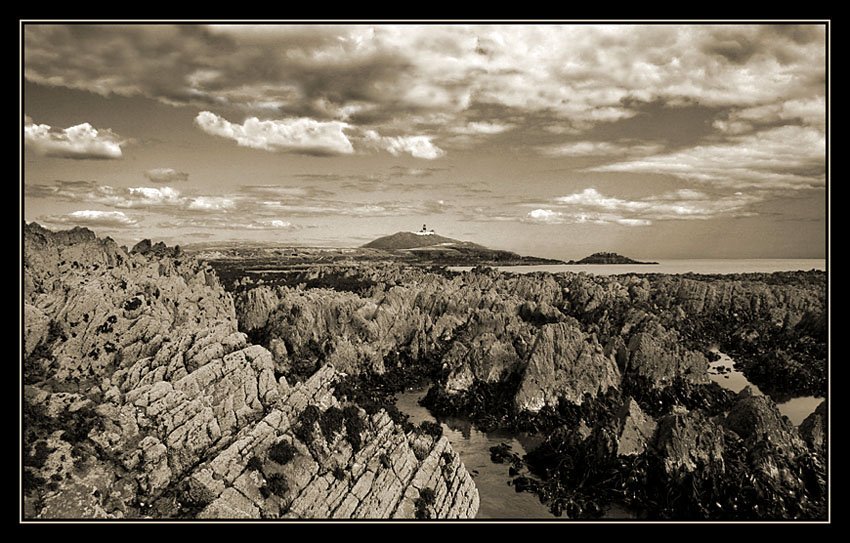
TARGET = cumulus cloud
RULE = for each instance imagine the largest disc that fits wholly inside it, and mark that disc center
(93, 218)
(810, 112)
(81, 141)
(296, 135)
(210, 203)
(165, 175)
(270, 224)
(416, 146)
(482, 128)
(230, 223)
(547, 216)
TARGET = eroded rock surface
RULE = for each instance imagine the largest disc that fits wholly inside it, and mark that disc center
(142, 399)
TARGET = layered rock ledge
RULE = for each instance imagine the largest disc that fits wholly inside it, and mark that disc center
(142, 399)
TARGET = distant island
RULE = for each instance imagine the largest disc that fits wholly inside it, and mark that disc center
(607, 258)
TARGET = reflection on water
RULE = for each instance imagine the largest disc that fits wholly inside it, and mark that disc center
(498, 500)
(723, 372)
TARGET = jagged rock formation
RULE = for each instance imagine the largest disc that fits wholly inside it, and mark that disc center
(151, 392)
(159, 249)
(566, 336)
(484, 328)
(613, 369)
(634, 429)
(337, 463)
(564, 365)
(143, 400)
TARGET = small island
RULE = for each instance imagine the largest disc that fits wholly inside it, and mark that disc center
(607, 258)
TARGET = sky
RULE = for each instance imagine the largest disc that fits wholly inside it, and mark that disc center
(552, 139)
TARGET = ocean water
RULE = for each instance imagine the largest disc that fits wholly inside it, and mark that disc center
(703, 266)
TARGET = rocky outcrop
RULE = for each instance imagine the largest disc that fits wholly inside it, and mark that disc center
(658, 355)
(634, 429)
(688, 440)
(145, 247)
(564, 364)
(814, 429)
(484, 327)
(92, 306)
(756, 418)
(338, 463)
(143, 400)
(781, 305)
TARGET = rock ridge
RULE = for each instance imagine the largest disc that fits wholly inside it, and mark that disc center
(143, 400)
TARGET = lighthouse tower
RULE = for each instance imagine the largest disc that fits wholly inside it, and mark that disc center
(425, 231)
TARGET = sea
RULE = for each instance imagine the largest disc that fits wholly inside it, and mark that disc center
(701, 266)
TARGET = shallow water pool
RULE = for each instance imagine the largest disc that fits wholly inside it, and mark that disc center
(498, 500)
(723, 372)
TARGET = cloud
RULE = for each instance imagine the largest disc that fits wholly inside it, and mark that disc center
(263, 192)
(416, 146)
(165, 199)
(301, 135)
(89, 217)
(401, 171)
(271, 224)
(165, 175)
(810, 112)
(578, 75)
(547, 216)
(590, 206)
(598, 148)
(482, 128)
(81, 141)
(230, 223)
(210, 203)
(142, 196)
(784, 158)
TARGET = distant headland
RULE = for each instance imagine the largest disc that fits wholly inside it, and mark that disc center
(427, 246)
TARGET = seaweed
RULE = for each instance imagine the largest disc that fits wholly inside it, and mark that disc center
(354, 426)
(425, 501)
(281, 452)
(331, 422)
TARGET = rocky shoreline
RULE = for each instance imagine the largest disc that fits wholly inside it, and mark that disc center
(153, 389)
